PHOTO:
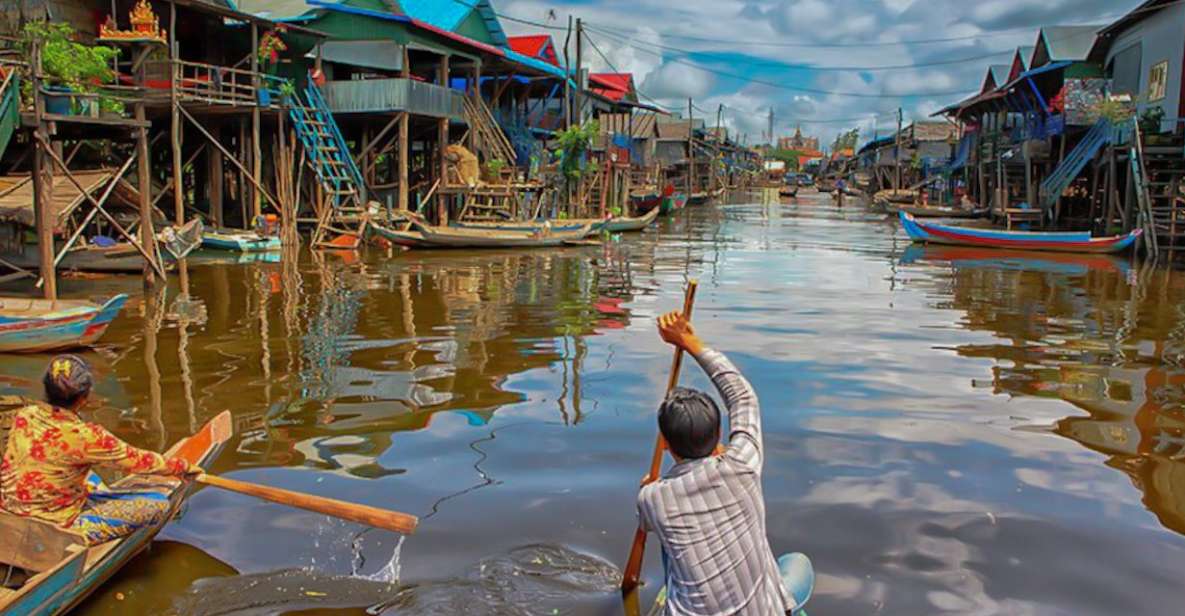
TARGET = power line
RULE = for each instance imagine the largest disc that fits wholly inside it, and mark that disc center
(813, 67)
(778, 85)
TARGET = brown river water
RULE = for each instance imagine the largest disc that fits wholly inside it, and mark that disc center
(947, 430)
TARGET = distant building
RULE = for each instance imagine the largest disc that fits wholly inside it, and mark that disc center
(798, 142)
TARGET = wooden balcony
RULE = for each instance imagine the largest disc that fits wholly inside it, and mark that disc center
(209, 84)
(379, 95)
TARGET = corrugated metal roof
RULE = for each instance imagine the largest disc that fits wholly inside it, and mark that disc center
(934, 131)
(279, 10)
(999, 73)
(539, 65)
(672, 130)
(642, 126)
(1071, 43)
(448, 15)
(380, 54)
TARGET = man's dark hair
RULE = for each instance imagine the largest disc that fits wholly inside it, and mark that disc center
(690, 422)
(67, 380)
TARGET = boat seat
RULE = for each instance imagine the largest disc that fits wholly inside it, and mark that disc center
(1021, 215)
(35, 545)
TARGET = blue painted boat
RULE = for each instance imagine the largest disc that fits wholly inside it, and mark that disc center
(1018, 240)
(65, 570)
(239, 241)
(37, 325)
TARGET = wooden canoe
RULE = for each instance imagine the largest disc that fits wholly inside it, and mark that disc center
(236, 240)
(408, 238)
(932, 211)
(449, 237)
(65, 570)
(37, 325)
(533, 226)
(698, 198)
(788, 191)
(120, 258)
(1019, 240)
(624, 224)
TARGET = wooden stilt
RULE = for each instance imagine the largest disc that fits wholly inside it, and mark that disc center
(404, 129)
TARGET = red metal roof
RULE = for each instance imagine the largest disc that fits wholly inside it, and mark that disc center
(535, 46)
(613, 86)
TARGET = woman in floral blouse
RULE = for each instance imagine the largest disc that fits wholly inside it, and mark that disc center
(45, 472)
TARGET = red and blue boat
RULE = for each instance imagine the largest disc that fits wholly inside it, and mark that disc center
(37, 325)
(1018, 240)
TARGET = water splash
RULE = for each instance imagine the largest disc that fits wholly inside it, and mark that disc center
(388, 573)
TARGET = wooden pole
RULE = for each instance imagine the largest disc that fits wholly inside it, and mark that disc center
(633, 567)
(897, 153)
(404, 131)
(175, 124)
(690, 153)
(256, 151)
(362, 514)
(144, 179)
(567, 79)
(442, 144)
(217, 184)
(41, 211)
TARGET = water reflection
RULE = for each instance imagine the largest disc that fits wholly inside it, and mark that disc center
(1095, 333)
(947, 431)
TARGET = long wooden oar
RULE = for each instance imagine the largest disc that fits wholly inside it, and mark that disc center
(633, 566)
(362, 514)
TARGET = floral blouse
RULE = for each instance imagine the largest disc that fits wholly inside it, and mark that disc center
(51, 451)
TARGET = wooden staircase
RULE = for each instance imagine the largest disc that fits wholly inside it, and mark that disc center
(1164, 170)
(342, 212)
(10, 113)
(490, 142)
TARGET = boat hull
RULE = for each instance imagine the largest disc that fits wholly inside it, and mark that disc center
(76, 326)
(450, 237)
(637, 223)
(80, 575)
(239, 242)
(1016, 240)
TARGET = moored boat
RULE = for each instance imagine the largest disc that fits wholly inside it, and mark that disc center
(37, 325)
(452, 237)
(116, 257)
(673, 203)
(64, 571)
(788, 191)
(1021, 240)
(698, 198)
(626, 224)
(236, 240)
(933, 211)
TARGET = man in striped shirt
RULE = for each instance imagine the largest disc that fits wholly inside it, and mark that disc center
(708, 510)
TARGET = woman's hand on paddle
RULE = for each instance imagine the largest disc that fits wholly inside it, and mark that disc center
(675, 329)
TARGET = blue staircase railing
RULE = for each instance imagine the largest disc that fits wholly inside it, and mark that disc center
(10, 113)
(326, 149)
(1056, 182)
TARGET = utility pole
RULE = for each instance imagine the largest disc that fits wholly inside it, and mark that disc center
(579, 72)
(567, 73)
(690, 152)
(771, 127)
(719, 148)
(897, 145)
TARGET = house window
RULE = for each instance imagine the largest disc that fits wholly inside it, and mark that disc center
(1158, 78)
(1125, 71)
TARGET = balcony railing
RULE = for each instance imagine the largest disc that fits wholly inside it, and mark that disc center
(376, 95)
(213, 85)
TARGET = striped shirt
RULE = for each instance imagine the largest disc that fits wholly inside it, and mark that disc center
(709, 515)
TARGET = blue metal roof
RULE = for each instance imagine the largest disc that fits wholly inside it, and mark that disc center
(1052, 66)
(534, 63)
(448, 15)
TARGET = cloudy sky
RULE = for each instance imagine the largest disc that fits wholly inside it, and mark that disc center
(827, 64)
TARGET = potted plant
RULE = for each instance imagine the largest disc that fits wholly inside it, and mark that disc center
(69, 67)
(1150, 121)
(494, 169)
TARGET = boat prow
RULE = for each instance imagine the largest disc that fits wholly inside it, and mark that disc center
(35, 325)
(65, 571)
